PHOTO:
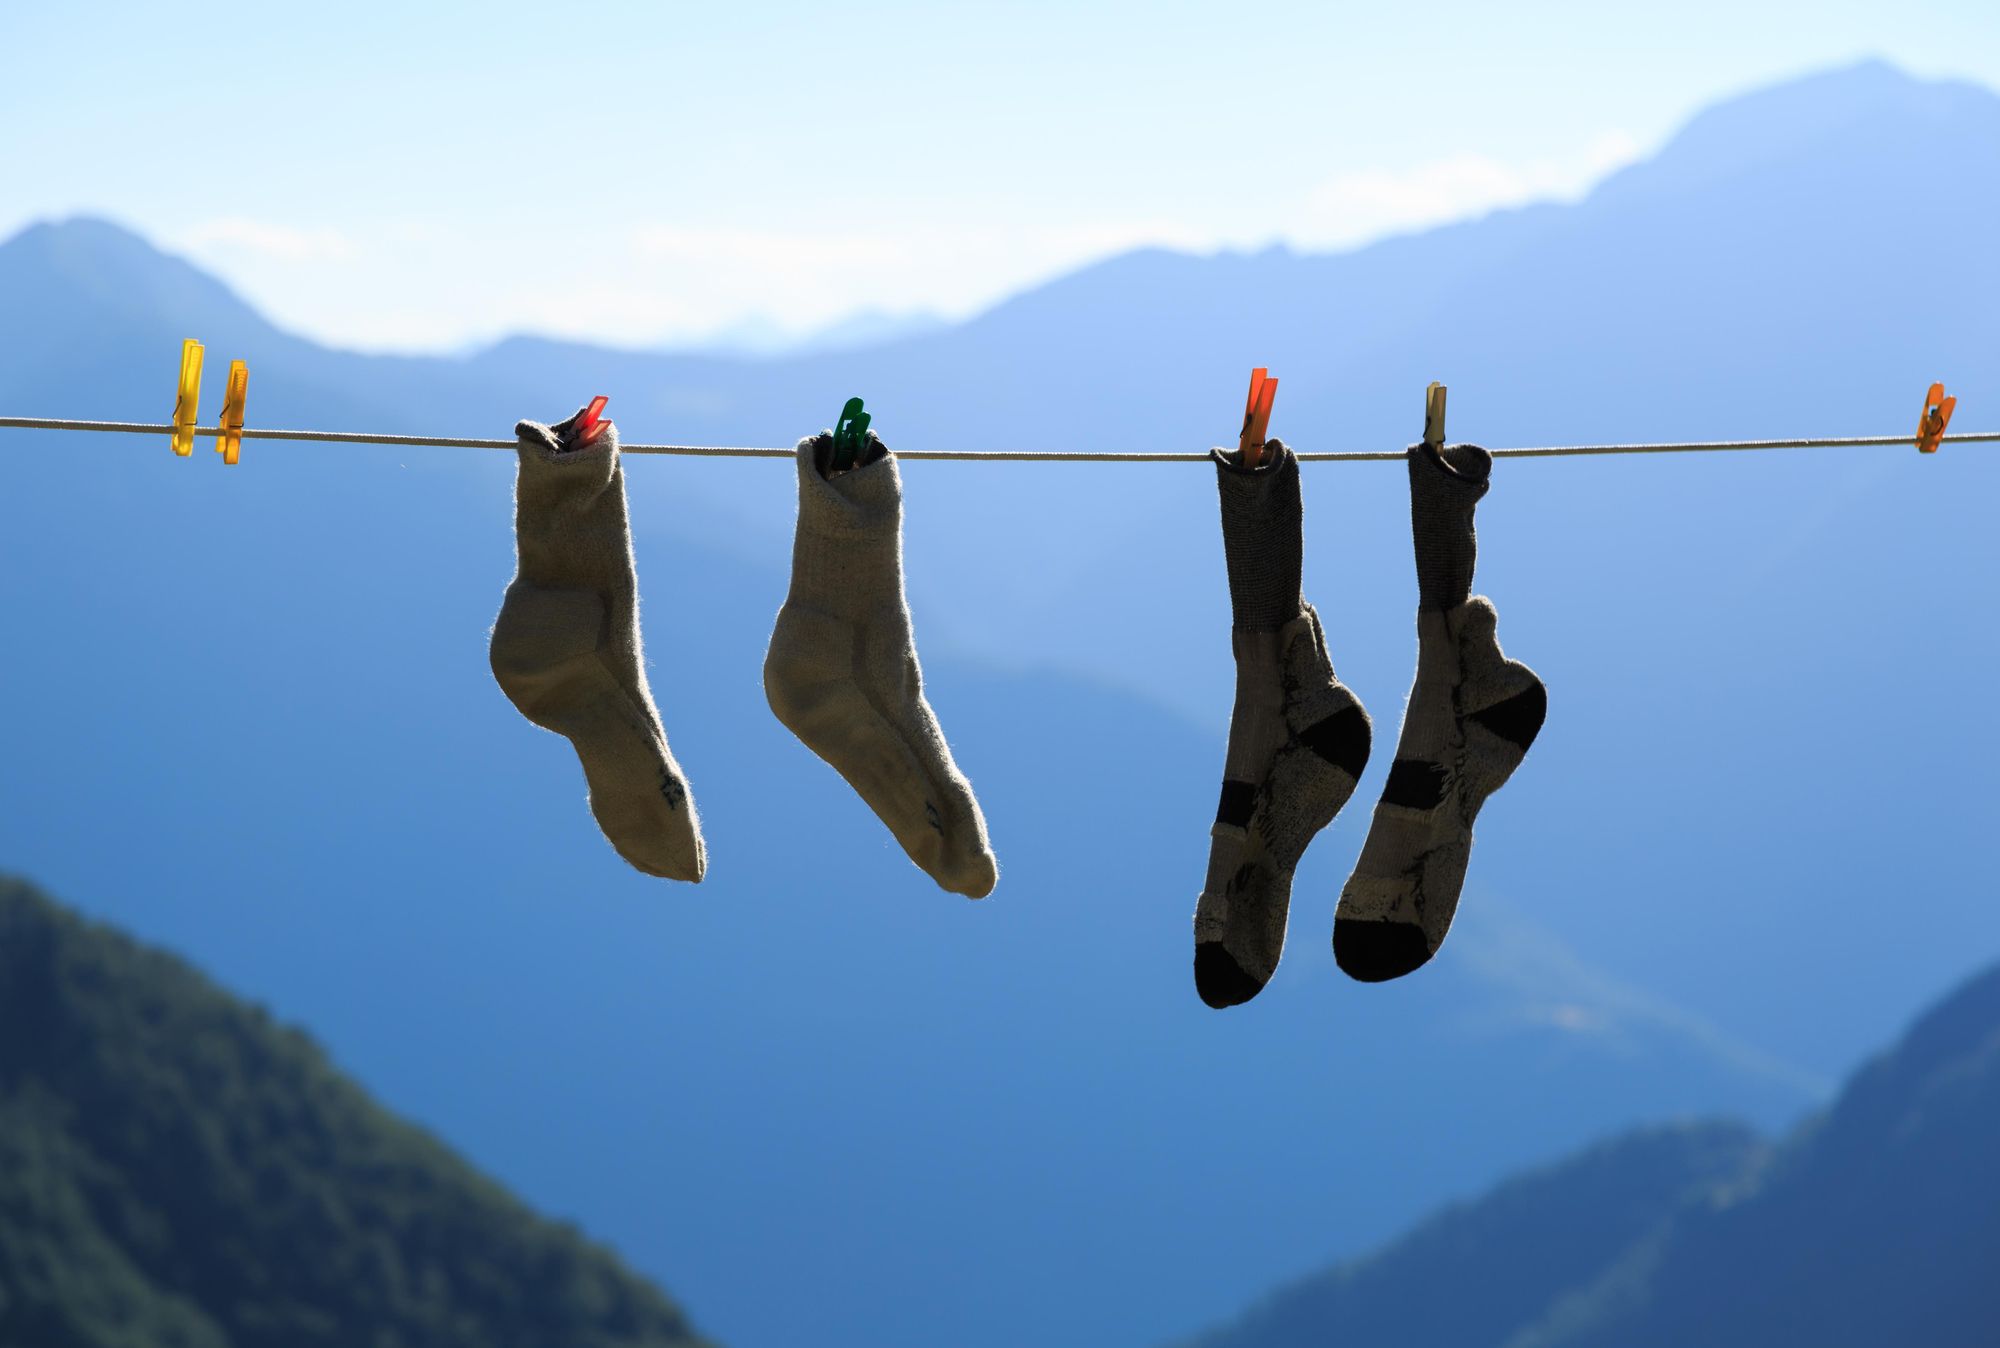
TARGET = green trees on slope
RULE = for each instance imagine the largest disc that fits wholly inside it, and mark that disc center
(177, 1171)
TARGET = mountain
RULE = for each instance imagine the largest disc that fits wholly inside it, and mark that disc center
(1875, 1223)
(262, 731)
(1878, 1223)
(1466, 1275)
(179, 1171)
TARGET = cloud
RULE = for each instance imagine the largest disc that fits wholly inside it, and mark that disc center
(263, 239)
(1354, 208)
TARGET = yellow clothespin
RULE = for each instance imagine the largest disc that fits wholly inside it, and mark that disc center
(1434, 415)
(229, 429)
(187, 405)
(1937, 416)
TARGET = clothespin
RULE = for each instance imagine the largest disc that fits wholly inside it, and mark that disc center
(850, 435)
(1434, 415)
(1937, 416)
(590, 421)
(187, 404)
(1256, 417)
(229, 427)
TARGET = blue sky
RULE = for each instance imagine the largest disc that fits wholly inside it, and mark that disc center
(426, 177)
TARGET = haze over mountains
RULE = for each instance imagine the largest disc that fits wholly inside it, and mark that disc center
(265, 693)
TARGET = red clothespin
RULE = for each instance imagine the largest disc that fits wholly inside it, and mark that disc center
(590, 421)
(1937, 416)
(1257, 416)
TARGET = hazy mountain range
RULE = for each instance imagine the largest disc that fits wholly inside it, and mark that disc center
(261, 729)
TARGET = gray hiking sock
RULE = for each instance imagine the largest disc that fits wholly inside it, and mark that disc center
(1471, 717)
(567, 653)
(842, 670)
(1298, 738)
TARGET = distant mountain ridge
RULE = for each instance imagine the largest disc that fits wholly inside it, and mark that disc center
(176, 1171)
(1877, 1223)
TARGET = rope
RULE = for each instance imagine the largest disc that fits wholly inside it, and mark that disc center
(992, 455)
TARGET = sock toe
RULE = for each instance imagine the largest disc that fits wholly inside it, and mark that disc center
(1219, 979)
(1375, 952)
(974, 877)
(671, 862)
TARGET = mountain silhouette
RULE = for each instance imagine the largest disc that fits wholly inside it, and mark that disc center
(1874, 1223)
(1469, 1274)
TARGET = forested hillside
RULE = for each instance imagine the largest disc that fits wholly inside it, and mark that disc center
(178, 1171)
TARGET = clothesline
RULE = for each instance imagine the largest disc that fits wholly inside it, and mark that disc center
(992, 455)
(837, 671)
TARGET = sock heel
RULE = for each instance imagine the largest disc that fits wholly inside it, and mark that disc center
(544, 641)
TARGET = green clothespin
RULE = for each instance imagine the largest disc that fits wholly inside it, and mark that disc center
(850, 436)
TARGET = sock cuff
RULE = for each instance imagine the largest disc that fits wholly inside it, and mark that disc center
(555, 475)
(1469, 466)
(863, 503)
(1262, 536)
(1279, 461)
(1446, 483)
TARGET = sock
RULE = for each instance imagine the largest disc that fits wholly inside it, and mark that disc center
(842, 670)
(566, 646)
(1471, 717)
(1298, 738)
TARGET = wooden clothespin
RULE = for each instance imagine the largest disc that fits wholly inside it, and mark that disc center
(229, 427)
(1434, 415)
(187, 402)
(1937, 416)
(850, 436)
(1256, 417)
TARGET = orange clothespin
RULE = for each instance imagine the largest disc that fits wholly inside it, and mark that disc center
(187, 403)
(1257, 417)
(229, 428)
(1937, 416)
(1434, 415)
